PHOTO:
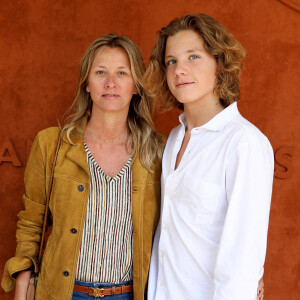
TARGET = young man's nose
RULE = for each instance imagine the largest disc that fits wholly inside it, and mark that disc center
(180, 68)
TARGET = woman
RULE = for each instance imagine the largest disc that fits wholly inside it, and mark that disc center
(217, 170)
(106, 190)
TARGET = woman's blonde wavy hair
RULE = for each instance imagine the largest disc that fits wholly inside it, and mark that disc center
(227, 51)
(143, 140)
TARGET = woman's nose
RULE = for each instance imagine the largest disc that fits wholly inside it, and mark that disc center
(110, 81)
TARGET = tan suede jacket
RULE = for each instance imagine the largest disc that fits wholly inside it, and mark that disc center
(68, 205)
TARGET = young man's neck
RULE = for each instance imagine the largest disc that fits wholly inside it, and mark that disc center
(197, 114)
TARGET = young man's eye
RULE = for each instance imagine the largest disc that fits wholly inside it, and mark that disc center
(193, 57)
(171, 62)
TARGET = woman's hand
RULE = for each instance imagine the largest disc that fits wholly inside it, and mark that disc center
(22, 282)
(260, 290)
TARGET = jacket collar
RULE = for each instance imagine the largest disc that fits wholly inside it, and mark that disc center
(77, 133)
(139, 172)
(77, 152)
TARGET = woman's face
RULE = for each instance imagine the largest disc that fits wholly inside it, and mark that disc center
(110, 82)
(190, 69)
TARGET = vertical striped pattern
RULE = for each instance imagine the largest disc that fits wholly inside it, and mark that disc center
(106, 247)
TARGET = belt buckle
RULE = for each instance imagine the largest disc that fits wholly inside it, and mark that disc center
(97, 292)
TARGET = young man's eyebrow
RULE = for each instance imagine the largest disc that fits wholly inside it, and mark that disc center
(193, 50)
(187, 51)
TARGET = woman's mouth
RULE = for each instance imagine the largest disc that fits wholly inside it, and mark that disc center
(110, 96)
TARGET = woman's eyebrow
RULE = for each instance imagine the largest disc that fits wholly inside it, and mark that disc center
(104, 67)
(98, 66)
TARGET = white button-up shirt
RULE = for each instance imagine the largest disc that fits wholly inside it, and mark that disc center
(210, 243)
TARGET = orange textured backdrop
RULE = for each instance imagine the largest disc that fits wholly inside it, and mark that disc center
(41, 43)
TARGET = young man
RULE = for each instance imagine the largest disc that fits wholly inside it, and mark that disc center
(217, 170)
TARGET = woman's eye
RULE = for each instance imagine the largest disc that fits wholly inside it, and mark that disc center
(100, 72)
(192, 57)
(122, 73)
(171, 62)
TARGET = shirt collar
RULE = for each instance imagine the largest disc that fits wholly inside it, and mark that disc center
(219, 121)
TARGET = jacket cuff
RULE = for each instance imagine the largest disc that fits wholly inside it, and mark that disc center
(13, 266)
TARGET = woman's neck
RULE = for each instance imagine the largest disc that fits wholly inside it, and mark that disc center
(107, 126)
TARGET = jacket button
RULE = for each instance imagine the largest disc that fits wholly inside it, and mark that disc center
(66, 273)
(80, 188)
(74, 230)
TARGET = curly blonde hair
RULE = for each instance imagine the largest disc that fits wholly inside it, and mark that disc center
(227, 51)
(143, 140)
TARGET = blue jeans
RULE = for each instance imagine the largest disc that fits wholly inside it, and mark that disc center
(83, 296)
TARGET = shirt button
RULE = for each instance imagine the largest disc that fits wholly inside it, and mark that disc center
(74, 230)
(80, 188)
(165, 227)
(66, 273)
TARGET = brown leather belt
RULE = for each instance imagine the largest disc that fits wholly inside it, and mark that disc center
(96, 292)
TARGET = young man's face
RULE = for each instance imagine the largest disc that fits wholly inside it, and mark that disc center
(190, 69)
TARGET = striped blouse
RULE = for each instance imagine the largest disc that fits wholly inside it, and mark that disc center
(106, 247)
